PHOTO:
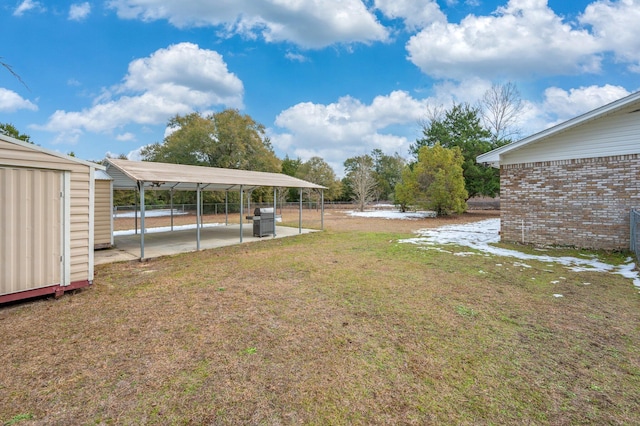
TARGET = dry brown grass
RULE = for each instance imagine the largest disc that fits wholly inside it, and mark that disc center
(342, 327)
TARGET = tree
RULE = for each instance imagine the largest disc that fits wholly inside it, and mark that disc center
(290, 168)
(9, 129)
(440, 180)
(318, 171)
(406, 190)
(225, 139)
(461, 127)
(361, 178)
(501, 108)
(387, 172)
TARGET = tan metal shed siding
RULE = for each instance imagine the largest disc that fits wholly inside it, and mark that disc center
(102, 220)
(80, 187)
(30, 214)
(80, 190)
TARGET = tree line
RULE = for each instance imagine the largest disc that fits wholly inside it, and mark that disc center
(440, 175)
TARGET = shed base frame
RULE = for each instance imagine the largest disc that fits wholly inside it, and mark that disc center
(57, 290)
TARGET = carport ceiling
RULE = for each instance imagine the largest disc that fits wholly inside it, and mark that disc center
(165, 176)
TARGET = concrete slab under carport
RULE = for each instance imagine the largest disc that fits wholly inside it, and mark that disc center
(156, 244)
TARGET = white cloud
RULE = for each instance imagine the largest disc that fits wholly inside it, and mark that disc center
(176, 80)
(349, 127)
(296, 57)
(415, 13)
(28, 5)
(525, 37)
(307, 23)
(565, 105)
(125, 137)
(10, 101)
(617, 25)
(79, 11)
(469, 90)
(136, 154)
(559, 105)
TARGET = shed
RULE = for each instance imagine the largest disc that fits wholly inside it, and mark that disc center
(573, 184)
(103, 210)
(47, 216)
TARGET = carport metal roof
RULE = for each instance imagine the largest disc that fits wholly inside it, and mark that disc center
(128, 174)
(141, 175)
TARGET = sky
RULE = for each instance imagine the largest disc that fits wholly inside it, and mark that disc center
(327, 78)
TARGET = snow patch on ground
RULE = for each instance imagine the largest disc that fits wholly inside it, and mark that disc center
(393, 214)
(481, 235)
(165, 229)
(150, 213)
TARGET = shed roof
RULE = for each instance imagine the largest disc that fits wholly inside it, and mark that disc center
(66, 158)
(629, 102)
(126, 174)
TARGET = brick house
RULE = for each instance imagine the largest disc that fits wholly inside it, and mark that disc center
(573, 184)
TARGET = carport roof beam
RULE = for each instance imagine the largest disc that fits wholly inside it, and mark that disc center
(126, 174)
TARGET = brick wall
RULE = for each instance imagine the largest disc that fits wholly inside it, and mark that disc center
(583, 203)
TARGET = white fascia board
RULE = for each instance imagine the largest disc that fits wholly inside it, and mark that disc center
(494, 157)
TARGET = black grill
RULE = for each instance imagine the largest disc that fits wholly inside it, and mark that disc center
(263, 222)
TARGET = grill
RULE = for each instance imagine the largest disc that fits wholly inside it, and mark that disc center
(263, 222)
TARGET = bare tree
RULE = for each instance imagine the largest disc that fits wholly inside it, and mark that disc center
(363, 181)
(432, 113)
(501, 107)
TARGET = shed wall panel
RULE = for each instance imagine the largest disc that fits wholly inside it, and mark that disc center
(31, 242)
(102, 229)
(78, 194)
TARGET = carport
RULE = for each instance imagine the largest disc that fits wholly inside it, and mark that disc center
(146, 175)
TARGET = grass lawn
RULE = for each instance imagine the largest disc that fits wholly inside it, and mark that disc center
(338, 327)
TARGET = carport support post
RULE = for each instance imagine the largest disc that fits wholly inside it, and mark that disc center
(248, 201)
(141, 191)
(171, 205)
(135, 213)
(198, 216)
(226, 208)
(322, 209)
(300, 214)
(241, 210)
(275, 211)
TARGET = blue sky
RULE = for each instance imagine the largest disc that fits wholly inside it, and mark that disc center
(328, 78)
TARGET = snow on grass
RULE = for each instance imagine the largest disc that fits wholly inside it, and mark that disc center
(165, 229)
(481, 235)
(393, 214)
(151, 213)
